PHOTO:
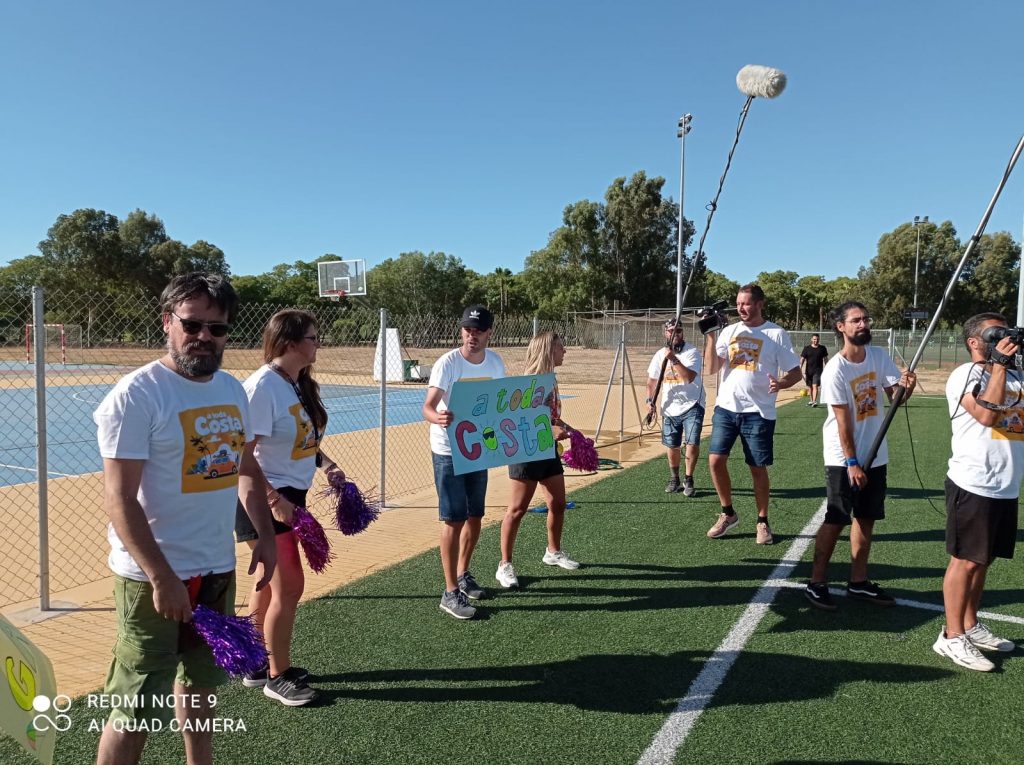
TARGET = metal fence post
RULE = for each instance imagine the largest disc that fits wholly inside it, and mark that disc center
(536, 326)
(383, 401)
(622, 385)
(38, 322)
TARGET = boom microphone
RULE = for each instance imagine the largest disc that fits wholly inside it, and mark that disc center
(759, 81)
(754, 81)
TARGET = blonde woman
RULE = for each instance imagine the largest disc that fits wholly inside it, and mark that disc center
(545, 352)
(288, 421)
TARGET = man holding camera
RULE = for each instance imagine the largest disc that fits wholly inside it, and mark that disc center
(982, 483)
(749, 355)
(851, 387)
(676, 370)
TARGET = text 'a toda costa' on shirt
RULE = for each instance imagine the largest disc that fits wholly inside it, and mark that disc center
(752, 354)
(677, 395)
(861, 388)
(191, 436)
(986, 461)
(288, 443)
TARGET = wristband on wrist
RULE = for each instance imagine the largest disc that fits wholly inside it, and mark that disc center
(852, 462)
(273, 498)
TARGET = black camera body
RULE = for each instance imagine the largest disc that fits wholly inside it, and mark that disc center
(993, 335)
(713, 317)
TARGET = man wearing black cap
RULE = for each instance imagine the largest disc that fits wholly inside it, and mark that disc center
(678, 366)
(461, 497)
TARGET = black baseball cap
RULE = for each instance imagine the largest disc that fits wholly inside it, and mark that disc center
(477, 317)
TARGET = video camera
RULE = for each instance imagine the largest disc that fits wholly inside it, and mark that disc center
(713, 317)
(992, 335)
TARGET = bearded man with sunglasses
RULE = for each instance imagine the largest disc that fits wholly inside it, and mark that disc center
(177, 454)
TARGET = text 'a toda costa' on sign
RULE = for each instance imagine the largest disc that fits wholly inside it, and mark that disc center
(501, 422)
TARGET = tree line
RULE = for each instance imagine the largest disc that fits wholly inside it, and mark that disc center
(617, 253)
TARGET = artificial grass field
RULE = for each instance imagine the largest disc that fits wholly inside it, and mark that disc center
(585, 666)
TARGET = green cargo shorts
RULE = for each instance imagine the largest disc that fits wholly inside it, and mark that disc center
(151, 652)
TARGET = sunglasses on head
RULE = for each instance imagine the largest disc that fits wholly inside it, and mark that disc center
(194, 326)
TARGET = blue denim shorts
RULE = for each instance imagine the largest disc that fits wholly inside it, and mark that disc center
(755, 433)
(460, 496)
(684, 428)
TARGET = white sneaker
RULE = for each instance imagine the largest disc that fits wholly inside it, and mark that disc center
(983, 638)
(962, 651)
(559, 559)
(506, 576)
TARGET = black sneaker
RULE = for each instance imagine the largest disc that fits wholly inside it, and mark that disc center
(470, 588)
(818, 595)
(688, 489)
(673, 486)
(289, 689)
(259, 678)
(871, 592)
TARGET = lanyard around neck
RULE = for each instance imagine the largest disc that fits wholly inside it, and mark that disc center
(298, 395)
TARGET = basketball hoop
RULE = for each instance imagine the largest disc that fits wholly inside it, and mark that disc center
(335, 294)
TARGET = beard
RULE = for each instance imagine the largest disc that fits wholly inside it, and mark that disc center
(191, 365)
(861, 338)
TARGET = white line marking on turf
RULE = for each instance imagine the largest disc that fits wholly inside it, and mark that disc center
(987, 615)
(679, 724)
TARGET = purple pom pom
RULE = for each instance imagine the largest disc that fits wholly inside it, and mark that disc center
(236, 643)
(313, 538)
(356, 510)
(581, 454)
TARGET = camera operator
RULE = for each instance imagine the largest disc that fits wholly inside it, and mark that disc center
(750, 354)
(677, 367)
(982, 484)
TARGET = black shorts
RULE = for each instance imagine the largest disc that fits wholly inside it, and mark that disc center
(979, 529)
(244, 531)
(812, 377)
(842, 502)
(536, 471)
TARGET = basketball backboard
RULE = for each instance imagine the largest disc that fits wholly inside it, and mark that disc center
(339, 277)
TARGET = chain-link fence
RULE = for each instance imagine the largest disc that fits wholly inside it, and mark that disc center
(90, 342)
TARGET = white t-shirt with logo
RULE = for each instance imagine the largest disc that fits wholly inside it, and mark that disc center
(287, 447)
(860, 387)
(988, 461)
(191, 435)
(448, 370)
(753, 353)
(677, 395)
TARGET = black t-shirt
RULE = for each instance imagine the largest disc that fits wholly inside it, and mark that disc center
(815, 356)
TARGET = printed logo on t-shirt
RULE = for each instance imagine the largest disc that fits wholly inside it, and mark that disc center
(305, 437)
(214, 440)
(865, 396)
(744, 352)
(1011, 425)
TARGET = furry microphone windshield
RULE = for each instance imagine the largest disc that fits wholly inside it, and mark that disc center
(760, 81)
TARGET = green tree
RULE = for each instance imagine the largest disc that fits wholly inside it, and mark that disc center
(639, 229)
(501, 291)
(994, 278)
(780, 293)
(83, 251)
(622, 250)
(419, 284)
(887, 283)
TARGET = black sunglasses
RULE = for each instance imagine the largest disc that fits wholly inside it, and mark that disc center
(194, 326)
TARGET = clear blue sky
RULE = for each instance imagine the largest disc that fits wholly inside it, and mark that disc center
(283, 131)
